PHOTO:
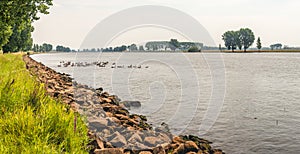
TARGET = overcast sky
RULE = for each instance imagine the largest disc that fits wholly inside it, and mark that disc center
(275, 21)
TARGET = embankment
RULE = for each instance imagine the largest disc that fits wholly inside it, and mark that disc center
(30, 121)
(111, 126)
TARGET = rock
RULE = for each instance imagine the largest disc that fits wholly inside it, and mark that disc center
(108, 145)
(98, 91)
(129, 104)
(165, 145)
(191, 146)
(109, 151)
(145, 152)
(151, 141)
(105, 133)
(109, 114)
(205, 147)
(102, 121)
(179, 149)
(218, 151)
(130, 128)
(115, 120)
(132, 122)
(135, 138)
(96, 125)
(111, 108)
(105, 94)
(137, 147)
(100, 143)
(106, 100)
(127, 152)
(191, 153)
(118, 140)
(159, 150)
(115, 99)
(177, 139)
(196, 139)
(122, 111)
(122, 117)
(174, 145)
(144, 126)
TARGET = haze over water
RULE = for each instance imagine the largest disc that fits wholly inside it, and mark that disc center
(261, 111)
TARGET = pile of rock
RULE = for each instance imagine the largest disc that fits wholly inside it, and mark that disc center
(112, 128)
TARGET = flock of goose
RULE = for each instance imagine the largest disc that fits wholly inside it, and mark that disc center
(99, 64)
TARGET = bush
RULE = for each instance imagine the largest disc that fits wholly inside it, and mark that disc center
(194, 49)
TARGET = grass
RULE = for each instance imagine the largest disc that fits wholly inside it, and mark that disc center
(30, 120)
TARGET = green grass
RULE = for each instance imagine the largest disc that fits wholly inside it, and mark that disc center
(30, 120)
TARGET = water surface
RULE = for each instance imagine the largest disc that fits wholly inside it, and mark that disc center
(261, 110)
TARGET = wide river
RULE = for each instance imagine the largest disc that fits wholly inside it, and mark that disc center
(255, 97)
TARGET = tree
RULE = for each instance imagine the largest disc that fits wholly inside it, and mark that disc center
(133, 47)
(230, 39)
(247, 37)
(47, 47)
(258, 43)
(5, 33)
(276, 46)
(243, 38)
(141, 48)
(44, 47)
(237, 38)
(20, 40)
(61, 48)
(16, 13)
(174, 44)
(35, 48)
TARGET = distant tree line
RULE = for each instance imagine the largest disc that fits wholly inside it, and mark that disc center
(171, 45)
(61, 48)
(45, 47)
(42, 48)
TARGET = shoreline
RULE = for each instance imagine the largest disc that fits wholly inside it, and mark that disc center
(112, 128)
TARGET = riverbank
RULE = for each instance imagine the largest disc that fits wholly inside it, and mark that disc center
(30, 121)
(112, 128)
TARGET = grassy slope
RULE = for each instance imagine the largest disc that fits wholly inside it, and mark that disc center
(30, 121)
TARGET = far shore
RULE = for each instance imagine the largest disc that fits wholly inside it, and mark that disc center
(256, 51)
(203, 51)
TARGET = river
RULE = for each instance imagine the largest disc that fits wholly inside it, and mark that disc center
(261, 108)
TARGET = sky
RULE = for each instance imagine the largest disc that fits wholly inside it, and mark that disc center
(274, 21)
